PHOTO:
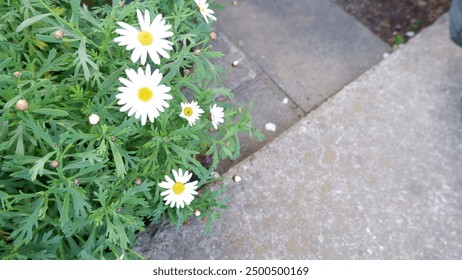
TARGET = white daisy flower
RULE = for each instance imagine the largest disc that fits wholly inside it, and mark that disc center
(216, 114)
(149, 40)
(205, 11)
(191, 112)
(143, 95)
(179, 191)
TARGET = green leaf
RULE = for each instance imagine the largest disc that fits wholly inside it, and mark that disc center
(88, 16)
(35, 86)
(37, 169)
(227, 152)
(24, 232)
(82, 60)
(51, 63)
(109, 82)
(80, 205)
(116, 232)
(20, 141)
(130, 196)
(91, 168)
(84, 255)
(17, 136)
(38, 130)
(91, 156)
(11, 102)
(30, 21)
(120, 167)
(5, 63)
(4, 199)
(51, 39)
(64, 215)
(51, 112)
(3, 129)
(75, 5)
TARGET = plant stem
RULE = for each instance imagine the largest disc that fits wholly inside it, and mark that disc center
(136, 254)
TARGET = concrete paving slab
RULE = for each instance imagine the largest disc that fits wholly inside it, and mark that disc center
(310, 48)
(270, 106)
(373, 173)
(235, 76)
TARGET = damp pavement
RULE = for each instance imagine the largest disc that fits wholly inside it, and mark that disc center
(366, 157)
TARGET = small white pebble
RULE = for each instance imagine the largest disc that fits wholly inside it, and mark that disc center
(410, 34)
(213, 36)
(285, 100)
(270, 127)
(385, 55)
(237, 178)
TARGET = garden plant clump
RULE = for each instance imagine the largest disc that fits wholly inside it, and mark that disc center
(108, 123)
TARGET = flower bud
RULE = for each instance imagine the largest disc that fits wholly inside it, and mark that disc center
(93, 119)
(197, 52)
(58, 34)
(22, 105)
(54, 164)
(17, 74)
(213, 36)
(76, 182)
(138, 181)
(197, 213)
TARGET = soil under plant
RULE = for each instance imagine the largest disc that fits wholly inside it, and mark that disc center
(395, 21)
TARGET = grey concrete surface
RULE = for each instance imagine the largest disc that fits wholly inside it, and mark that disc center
(238, 76)
(269, 106)
(373, 173)
(310, 48)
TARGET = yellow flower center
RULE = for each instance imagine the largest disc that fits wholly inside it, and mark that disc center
(188, 111)
(178, 188)
(145, 94)
(202, 9)
(145, 38)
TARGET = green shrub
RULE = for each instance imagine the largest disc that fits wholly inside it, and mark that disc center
(79, 177)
